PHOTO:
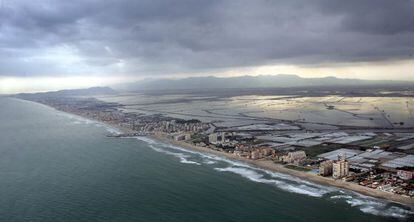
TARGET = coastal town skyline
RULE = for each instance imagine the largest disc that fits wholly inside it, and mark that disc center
(353, 137)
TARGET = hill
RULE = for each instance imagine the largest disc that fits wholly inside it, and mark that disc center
(262, 81)
(72, 92)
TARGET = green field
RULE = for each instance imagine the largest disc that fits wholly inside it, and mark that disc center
(319, 149)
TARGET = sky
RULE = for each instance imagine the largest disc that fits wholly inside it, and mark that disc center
(54, 44)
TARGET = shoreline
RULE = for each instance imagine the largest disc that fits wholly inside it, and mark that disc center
(264, 164)
(278, 168)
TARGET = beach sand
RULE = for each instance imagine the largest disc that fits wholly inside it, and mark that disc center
(271, 166)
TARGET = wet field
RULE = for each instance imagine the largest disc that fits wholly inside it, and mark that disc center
(309, 112)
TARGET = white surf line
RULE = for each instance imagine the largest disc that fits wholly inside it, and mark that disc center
(303, 187)
(364, 203)
(243, 165)
(257, 177)
(375, 206)
(237, 163)
(181, 156)
(83, 120)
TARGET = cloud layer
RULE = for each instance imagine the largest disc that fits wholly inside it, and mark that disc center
(147, 37)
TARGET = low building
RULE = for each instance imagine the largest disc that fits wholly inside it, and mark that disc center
(256, 154)
(385, 187)
(266, 151)
(179, 137)
(326, 168)
(405, 175)
(187, 136)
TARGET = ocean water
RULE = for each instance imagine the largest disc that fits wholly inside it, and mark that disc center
(59, 167)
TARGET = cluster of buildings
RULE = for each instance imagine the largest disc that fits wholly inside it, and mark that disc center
(255, 153)
(393, 182)
(337, 169)
(350, 156)
(373, 168)
(171, 126)
(296, 157)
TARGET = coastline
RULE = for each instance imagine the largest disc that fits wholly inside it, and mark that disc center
(263, 164)
(269, 165)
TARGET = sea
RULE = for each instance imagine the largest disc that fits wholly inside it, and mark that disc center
(56, 167)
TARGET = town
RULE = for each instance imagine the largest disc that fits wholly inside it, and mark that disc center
(374, 159)
(378, 160)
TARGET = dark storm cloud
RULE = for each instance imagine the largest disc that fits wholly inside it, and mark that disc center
(153, 36)
(376, 17)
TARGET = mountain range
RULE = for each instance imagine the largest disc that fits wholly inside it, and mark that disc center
(261, 81)
(71, 92)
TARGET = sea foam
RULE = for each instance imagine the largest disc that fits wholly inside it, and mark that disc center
(183, 157)
(82, 120)
(259, 177)
(284, 182)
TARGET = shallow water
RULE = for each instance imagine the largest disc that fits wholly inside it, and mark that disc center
(239, 110)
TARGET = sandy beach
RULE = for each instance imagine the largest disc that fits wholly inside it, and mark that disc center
(269, 165)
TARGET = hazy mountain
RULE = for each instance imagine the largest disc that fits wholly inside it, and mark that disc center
(73, 92)
(262, 81)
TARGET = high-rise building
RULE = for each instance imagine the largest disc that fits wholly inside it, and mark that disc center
(340, 167)
(326, 168)
(223, 137)
(296, 157)
(212, 138)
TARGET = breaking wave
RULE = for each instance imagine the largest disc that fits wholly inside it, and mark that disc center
(183, 157)
(374, 206)
(110, 129)
(82, 120)
(284, 182)
(258, 177)
(209, 162)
